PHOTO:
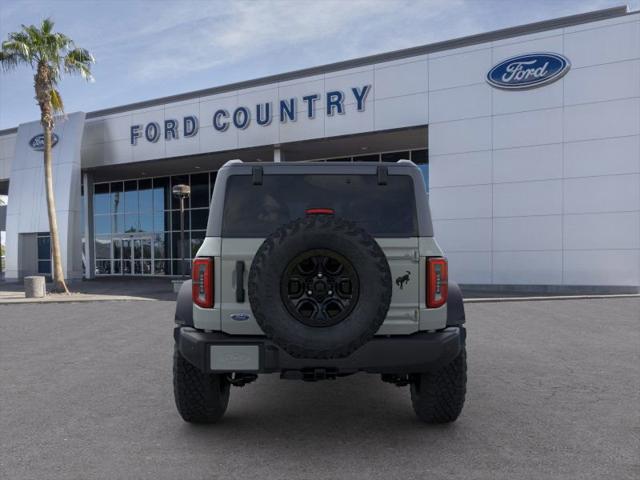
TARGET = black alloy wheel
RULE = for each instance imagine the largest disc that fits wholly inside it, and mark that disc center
(320, 288)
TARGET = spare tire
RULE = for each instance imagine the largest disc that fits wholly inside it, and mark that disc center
(320, 287)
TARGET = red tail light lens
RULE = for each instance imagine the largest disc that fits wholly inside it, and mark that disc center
(319, 211)
(437, 282)
(202, 282)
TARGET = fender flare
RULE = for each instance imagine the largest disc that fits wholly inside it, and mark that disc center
(455, 306)
(184, 306)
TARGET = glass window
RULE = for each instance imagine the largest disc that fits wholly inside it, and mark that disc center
(175, 245)
(131, 222)
(103, 267)
(117, 223)
(161, 194)
(162, 267)
(117, 248)
(44, 247)
(101, 198)
(103, 247)
(175, 220)
(117, 267)
(131, 203)
(44, 266)
(186, 266)
(196, 241)
(116, 197)
(367, 158)
(146, 222)
(420, 156)
(343, 159)
(145, 195)
(179, 180)
(160, 245)
(252, 211)
(200, 190)
(161, 222)
(102, 224)
(199, 218)
(395, 156)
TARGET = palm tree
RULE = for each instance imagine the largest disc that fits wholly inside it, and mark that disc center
(50, 55)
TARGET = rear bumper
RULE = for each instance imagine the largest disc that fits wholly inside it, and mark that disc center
(401, 354)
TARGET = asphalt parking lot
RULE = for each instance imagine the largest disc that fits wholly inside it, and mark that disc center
(85, 392)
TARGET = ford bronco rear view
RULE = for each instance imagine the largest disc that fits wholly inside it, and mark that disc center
(317, 271)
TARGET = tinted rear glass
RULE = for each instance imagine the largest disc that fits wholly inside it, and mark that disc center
(257, 210)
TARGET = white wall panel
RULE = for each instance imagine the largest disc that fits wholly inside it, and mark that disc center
(527, 198)
(303, 129)
(527, 128)
(603, 45)
(351, 122)
(463, 235)
(399, 112)
(470, 267)
(212, 140)
(459, 103)
(460, 136)
(472, 168)
(602, 267)
(608, 156)
(540, 162)
(528, 268)
(601, 120)
(549, 96)
(602, 82)
(403, 79)
(345, 82)
(456, 70)
(460, 202)
(543, 232)
(616, 193)
(602, 231)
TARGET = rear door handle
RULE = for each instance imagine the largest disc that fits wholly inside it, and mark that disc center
(240, 281)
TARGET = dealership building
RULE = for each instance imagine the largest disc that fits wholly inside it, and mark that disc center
(528, 139)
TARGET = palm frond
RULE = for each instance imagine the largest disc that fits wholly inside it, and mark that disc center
(56, 101)
(79, 61)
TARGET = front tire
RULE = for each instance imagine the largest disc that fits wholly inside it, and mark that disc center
(200, 397)
(438, 397)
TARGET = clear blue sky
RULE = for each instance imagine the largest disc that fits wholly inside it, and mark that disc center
(149, 49)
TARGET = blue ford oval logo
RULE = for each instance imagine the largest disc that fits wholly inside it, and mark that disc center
(240, 317)
(37, 142)
(528, 71)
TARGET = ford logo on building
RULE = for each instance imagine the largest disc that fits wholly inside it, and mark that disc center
(37, 142)
(528, 71)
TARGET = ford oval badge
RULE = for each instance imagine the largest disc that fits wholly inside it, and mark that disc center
(528, 71)
(240, 317)
(37, 142)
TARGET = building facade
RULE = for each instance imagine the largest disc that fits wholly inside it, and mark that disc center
(528, 138)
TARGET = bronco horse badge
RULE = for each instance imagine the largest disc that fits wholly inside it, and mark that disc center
(400, 281)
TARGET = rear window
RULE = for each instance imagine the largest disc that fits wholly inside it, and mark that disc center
(257, 210)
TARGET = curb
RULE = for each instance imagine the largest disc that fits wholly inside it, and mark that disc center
(20, 301)
(548, 298)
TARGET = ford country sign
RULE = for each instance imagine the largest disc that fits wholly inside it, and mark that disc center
(528, 71)
(37, 142)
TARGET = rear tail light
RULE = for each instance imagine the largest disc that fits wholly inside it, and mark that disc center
(319, 211)
(437, 282)
(202, 282)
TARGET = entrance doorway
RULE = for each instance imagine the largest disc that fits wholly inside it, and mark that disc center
(133, 255)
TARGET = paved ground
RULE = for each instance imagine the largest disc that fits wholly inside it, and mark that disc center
(85, 392)
(102, 289)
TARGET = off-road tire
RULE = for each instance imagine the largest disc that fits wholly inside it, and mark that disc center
(438, 397)
(200, 397)
(320, 232)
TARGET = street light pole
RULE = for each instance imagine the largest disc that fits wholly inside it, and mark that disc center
(181, 192)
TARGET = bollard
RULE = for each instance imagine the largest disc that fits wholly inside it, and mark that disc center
(34, 287)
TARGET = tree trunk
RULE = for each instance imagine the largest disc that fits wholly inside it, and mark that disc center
(59, 284)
